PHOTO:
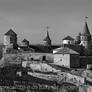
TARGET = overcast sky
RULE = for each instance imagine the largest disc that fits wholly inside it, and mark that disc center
(29, 18)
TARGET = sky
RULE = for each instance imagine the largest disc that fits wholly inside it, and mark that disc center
(29, 18)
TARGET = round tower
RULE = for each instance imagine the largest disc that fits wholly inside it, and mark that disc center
(86, 39)
(85, 35)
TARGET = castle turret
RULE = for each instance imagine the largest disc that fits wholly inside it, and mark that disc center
(10, 39)
(85, 35)
(86, 38)
(25, 43)
(47, 40)
(68, 40)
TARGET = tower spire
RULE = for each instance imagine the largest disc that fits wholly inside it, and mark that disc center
(47, 33)
(86, 29)
(47, 39)
(85, 35)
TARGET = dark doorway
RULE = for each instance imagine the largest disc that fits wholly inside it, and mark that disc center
(44, 58)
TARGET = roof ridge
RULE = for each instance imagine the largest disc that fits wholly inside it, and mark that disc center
(10, 32)
(68, 38)
(66, 50)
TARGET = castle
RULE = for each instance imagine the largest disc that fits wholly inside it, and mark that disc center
(72, 53)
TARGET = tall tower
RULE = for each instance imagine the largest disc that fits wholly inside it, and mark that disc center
(85, 35)
(47, 40)
(86, 39)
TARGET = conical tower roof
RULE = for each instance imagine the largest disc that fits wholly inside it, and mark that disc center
(86, 29)
(47, 38)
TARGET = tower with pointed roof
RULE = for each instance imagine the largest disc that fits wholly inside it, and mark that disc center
(85, 35)
(86, 39)
(10, 38)
(47, 40)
